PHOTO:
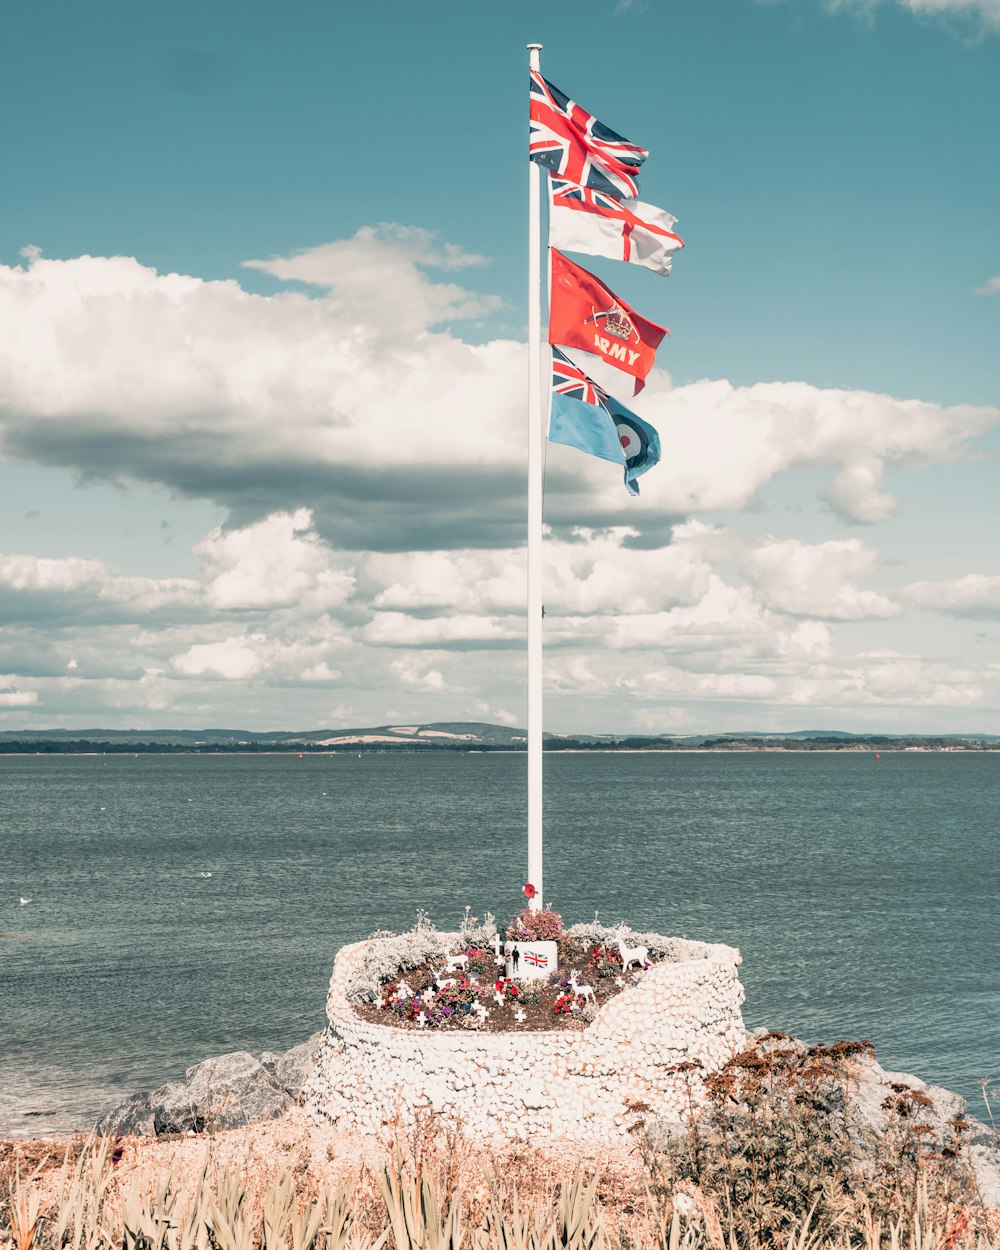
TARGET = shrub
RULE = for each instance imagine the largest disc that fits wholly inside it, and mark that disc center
(393, 954)
(535, 926)
(779, 1146)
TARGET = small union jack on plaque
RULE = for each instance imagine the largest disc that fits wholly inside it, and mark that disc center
(535, 959)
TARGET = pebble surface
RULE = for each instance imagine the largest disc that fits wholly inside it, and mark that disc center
(575, 1086)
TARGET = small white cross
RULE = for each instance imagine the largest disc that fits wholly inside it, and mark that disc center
(380, 1001)
(421, 1019)
(520, 1016)
(619, 982)
(498, 998)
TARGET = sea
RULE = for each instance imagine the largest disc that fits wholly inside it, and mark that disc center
(862, 892)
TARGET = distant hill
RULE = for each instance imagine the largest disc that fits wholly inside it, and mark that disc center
(460, 736)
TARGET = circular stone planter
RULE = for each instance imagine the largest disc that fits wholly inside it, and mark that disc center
(574, 1085)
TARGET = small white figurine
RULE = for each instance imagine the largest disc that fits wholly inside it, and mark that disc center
(404, 990)
(580, 990)
(632, 954)
(455, 962)
(445, 983)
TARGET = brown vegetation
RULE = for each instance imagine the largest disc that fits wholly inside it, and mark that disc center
(776, 1160)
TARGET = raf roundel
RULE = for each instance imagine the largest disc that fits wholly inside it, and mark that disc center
(631, 439)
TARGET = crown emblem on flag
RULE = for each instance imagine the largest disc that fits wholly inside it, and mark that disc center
(615, 321)
(618, 324)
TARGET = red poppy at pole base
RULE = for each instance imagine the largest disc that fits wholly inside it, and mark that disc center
(530, 891)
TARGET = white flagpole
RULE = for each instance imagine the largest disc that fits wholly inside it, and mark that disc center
(536, 435)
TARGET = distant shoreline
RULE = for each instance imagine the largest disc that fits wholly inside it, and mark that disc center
(135, 750)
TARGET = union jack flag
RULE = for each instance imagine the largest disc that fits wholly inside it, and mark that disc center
(588, 199)
(570, 380)
(572, 143)
(535, 959)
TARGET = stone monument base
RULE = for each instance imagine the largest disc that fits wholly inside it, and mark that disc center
(572, 1085)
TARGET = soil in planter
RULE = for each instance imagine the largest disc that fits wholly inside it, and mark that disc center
(545, 1004)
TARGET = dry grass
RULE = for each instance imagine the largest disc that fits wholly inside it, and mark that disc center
(289, 1185)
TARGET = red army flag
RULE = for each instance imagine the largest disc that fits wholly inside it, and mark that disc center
(584, 314)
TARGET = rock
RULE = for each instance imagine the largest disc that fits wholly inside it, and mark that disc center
(227, 1091)
(984, 1155)
(131, 1118)
(292, 1069)
(875, 1085)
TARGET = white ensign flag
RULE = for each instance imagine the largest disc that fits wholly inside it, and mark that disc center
(584, 220)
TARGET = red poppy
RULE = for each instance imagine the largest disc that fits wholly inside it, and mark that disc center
(530, 891)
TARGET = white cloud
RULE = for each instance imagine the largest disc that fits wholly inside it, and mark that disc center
(270, 404)
(492, 715)
(413, 671)
(983, 14)
(40, 586)
(727, 442)
(976, 594)
(234, 659)
(990, 287)
(373, 472)
(278, 562)
(13, 697)
(396, 629)
(817, 580)
(377, 279)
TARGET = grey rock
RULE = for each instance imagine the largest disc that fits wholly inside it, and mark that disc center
(227, 1091)
(982, 1142)
(292, 1069)
(984, 1154)
(874, 1085)
(131, 1118)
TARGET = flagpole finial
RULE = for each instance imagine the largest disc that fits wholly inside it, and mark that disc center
(534, 60)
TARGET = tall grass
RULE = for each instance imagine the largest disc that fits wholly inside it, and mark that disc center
(776, 1162)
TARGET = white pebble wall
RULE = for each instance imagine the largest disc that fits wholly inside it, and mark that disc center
(559, 1083)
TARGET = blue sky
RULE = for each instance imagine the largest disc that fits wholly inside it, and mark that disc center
(229, 496)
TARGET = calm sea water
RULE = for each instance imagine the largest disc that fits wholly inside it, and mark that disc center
(863, 895)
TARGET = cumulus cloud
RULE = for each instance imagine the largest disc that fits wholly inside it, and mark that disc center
(990, 287)
(727, 442)
(372, 467)
(277, 562)
(35, 586)
(629, 631)
(378, 279)
(414, 440)
(817, 580)
(975, 595)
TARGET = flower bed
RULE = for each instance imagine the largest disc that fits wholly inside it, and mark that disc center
(434, 983)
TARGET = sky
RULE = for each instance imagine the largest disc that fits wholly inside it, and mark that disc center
(263, 301)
